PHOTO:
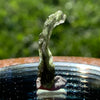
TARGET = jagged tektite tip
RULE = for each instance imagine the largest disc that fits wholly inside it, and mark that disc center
(60, 18)
(46, 67)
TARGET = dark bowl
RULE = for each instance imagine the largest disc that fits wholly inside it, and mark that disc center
(18, 78)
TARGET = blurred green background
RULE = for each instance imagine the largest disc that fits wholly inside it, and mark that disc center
(21, 21)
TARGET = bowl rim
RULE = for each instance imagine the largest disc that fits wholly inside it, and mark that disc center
(24, 60)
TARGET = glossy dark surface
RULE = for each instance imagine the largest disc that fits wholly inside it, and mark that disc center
(19, 82)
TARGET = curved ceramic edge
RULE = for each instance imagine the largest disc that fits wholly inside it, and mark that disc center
(68, 64)
(81, 60)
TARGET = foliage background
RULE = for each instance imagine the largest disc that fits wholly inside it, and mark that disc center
(21, 21)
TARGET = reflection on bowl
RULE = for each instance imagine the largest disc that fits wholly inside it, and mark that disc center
(19, 81)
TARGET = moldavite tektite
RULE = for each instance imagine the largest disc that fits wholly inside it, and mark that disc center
(46, 67)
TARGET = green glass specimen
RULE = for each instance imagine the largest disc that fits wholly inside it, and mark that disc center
(46, 67)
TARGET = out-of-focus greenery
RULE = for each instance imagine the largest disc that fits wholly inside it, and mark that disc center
(21, 21)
